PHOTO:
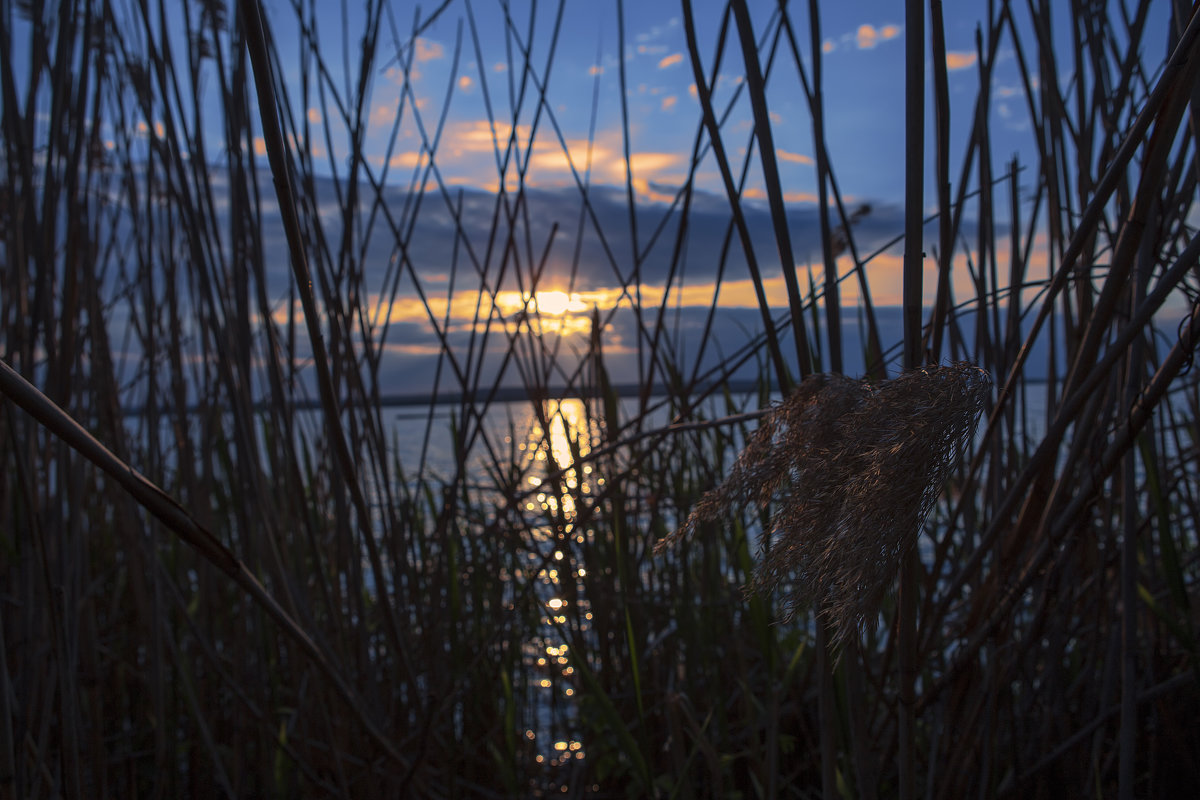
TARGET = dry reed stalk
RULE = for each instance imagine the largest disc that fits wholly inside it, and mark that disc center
(853, 468)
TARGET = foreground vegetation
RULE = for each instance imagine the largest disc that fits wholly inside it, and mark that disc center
(285, 607)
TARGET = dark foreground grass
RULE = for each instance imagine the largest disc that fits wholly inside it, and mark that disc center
(227, 594)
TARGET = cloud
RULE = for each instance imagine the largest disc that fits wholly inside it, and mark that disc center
(959, 60)
(671, 60)
(475, 136)
(410, 158)
(668, 102)
(440, 237)
(382, 114)
(428, 50)
(465, 82)
(868, 36)
(795, 158)
(755, 193)
(654, 162)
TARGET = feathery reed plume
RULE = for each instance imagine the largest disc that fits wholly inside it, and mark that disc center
(854, 468)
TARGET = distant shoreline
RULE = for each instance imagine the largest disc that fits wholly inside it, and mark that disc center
(504, 394)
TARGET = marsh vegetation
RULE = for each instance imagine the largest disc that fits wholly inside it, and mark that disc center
(218, 576)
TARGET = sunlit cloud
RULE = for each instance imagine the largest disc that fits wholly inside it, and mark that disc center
(755, 193)
(868, 36)
(795, 158)
(314, 115)
(574, 156)
(428, 50)
(551, 311)
(409, 159)
(595, 69)
(828, 46)
(476, 136)
(959, 60)
(668, 102)
(465, 82)
(382, 114)
(671, 60)
(260, 146)
(653, 162)
(467, 157)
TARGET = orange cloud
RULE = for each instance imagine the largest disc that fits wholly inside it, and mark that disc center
(475, 136)
(668, 101)
(795, 158)
(670, 61)
(755, 193)
(868, 36)
(465, 82)
(959, 60)
(653, 162)
(411, 158)
(428, 50)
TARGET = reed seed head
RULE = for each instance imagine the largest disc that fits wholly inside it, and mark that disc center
(851, 469)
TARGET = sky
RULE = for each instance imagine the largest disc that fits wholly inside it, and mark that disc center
(862, 51)
(570, 100)
(469, 63)
(572, 93)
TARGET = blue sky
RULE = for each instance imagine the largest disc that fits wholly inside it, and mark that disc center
(863, 82)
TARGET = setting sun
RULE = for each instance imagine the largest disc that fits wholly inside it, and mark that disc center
(558, 303)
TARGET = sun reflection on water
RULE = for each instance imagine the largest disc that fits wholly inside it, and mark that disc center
(561, 433)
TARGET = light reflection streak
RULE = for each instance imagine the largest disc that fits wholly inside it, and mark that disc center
(560, 433)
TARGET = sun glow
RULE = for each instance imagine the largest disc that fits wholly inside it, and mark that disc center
(547, 312)
(558, 303)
